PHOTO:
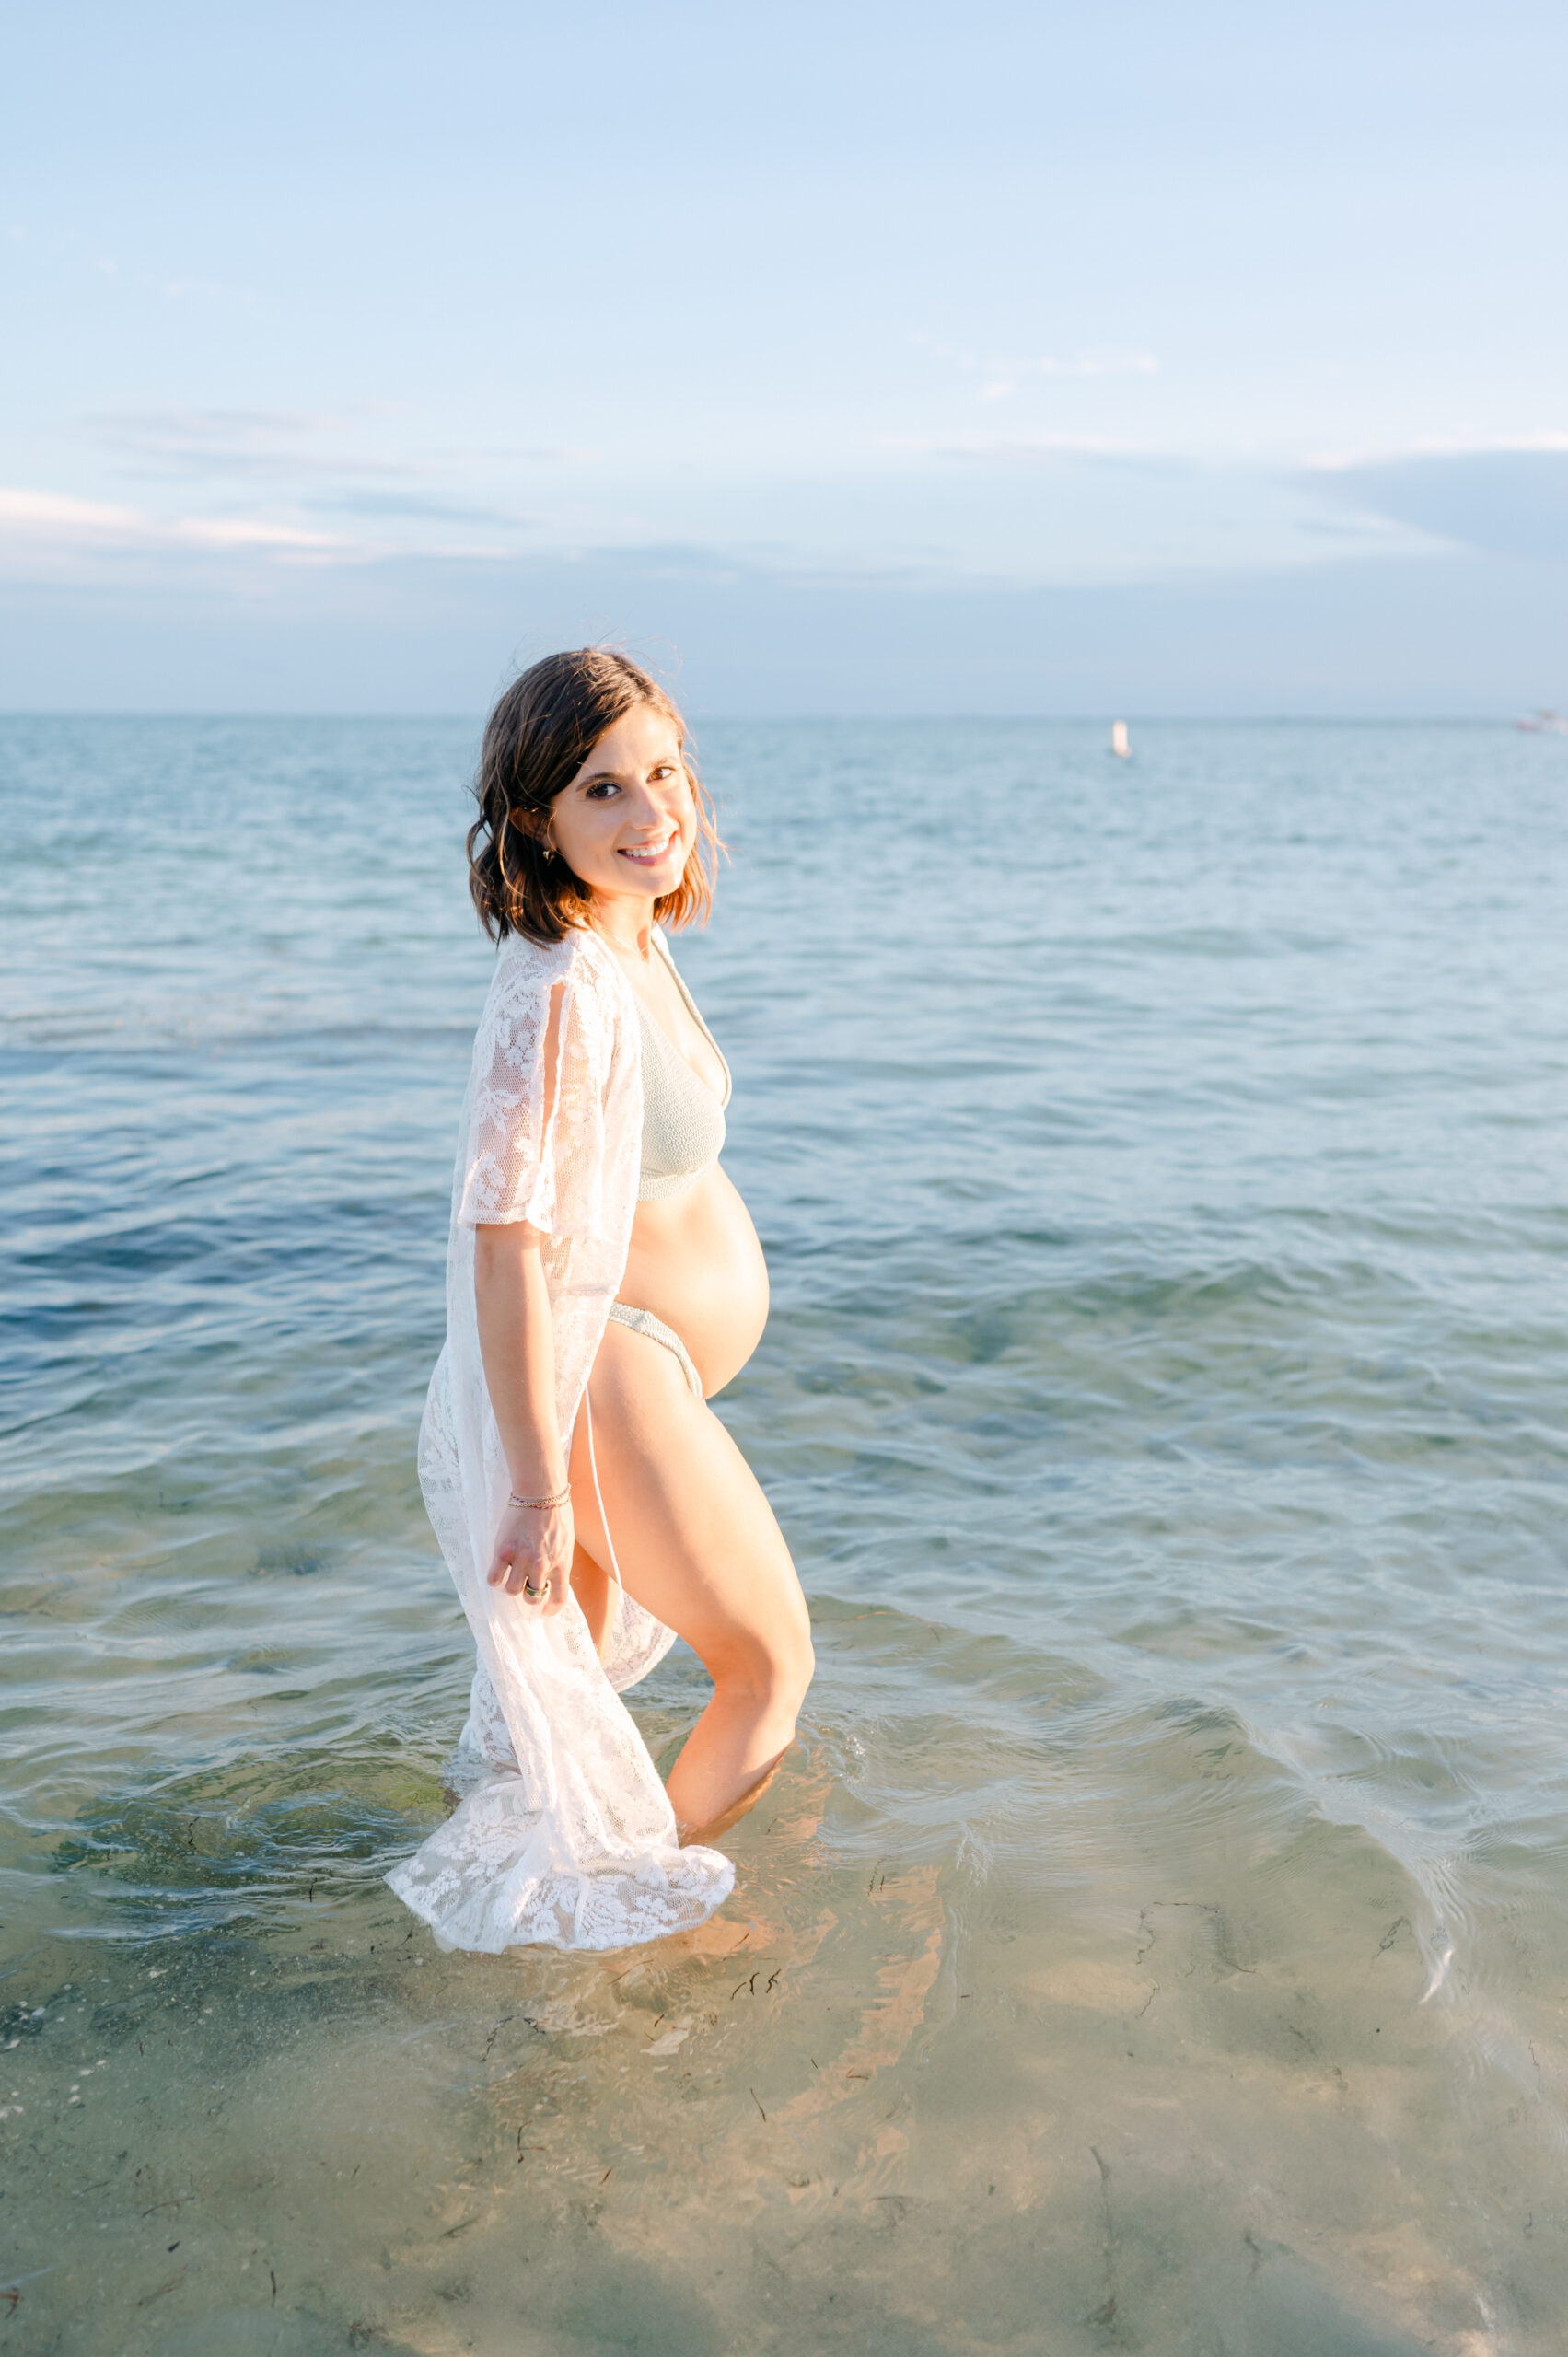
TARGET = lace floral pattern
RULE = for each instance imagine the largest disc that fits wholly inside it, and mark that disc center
(565, 1834)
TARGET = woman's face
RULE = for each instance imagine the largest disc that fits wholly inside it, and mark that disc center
(628, 819)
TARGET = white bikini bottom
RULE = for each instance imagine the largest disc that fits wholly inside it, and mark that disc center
(643, 1321)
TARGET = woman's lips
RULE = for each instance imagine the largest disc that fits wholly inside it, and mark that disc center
(648, 854)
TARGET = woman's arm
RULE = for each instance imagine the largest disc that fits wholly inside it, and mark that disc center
(533, 1546)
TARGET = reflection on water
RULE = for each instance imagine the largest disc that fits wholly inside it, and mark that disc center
(1157, 1942)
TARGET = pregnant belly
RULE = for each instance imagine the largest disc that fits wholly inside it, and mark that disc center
(696, 1264)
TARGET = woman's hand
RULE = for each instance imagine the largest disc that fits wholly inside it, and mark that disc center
(532, 1555)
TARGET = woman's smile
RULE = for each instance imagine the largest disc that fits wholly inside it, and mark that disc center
(652, 854)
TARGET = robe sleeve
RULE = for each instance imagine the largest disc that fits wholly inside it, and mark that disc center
(535, 1145)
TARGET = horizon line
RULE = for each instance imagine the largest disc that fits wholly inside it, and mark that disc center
(1097, 719)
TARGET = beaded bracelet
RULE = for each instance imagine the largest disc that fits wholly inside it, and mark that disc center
(539, 1505)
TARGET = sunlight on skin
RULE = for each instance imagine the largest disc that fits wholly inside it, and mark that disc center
(694, 1537)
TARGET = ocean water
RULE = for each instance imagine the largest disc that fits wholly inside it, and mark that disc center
(1159, 1939)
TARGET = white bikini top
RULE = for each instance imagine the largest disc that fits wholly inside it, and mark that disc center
(684, 1126)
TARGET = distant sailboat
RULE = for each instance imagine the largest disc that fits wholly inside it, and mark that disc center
(1118, 744)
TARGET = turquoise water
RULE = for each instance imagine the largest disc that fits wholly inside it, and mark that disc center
(1157, 1941)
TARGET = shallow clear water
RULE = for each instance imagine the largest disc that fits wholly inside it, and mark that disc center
(1157, 1941)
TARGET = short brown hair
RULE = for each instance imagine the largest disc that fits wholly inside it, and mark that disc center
(536, 740)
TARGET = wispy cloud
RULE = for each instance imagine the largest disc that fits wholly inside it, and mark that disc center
(418, 506)
(42, 532)
(1380, 454)
(307, 448)
(50, 520)
(229, 442)
(1001, 375)
(1510, 499)
(1025, 448)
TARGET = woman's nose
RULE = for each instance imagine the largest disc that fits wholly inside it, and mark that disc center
(648, 808)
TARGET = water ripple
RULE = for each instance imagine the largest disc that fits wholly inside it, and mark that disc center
(1157, 1938)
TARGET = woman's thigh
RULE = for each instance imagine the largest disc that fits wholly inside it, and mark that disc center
(695, 1536)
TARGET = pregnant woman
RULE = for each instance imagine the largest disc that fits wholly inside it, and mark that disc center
(603, 1280)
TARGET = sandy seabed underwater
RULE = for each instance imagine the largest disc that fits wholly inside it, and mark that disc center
(1157, 1942)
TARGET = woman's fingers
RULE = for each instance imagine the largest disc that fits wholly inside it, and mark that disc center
(506, 1571)
(512, 1572)
(537, 1567)
(534, 1583)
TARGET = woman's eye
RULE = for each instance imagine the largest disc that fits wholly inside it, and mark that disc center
(605, 785)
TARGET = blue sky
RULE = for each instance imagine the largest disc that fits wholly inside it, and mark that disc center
(854, 358)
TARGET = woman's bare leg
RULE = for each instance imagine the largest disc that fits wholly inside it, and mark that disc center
(699, 1547)
(595, 1591)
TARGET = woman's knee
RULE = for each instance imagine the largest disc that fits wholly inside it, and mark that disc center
(794, 1662)
(797, 1669)
(769, 1667)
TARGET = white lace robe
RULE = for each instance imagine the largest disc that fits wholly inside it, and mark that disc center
(566, 1835)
